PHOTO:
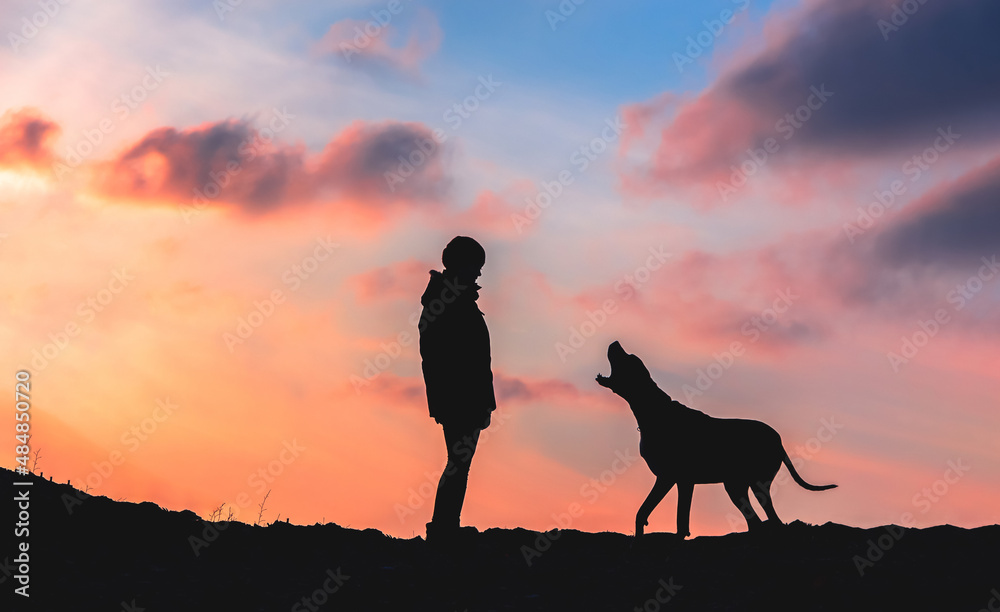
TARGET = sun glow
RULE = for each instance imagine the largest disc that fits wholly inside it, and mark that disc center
(20, 181)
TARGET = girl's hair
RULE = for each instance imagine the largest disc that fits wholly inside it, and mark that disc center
(463, 252)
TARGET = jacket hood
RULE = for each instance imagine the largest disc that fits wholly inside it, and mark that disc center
(443, 285)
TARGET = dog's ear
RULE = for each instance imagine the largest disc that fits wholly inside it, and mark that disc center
(604, 381)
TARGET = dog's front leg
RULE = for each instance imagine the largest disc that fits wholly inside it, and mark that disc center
(685, 490)
(661, 487)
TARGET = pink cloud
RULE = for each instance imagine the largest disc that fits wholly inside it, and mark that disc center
(229, 162)
(913, 261)
(830, 90)
(499, 214)
(521, 389)
(214, 163)
(408, 391)
(367, 43)
(403, 280)
(26, 139)
(385, 161)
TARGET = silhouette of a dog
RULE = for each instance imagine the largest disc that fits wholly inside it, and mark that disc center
(686, 447)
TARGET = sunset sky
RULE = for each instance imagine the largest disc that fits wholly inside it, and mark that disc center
(217, 218)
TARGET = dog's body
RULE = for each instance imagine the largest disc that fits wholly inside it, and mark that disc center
(685, 447)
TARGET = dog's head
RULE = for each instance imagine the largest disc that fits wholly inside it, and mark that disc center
(629, 376)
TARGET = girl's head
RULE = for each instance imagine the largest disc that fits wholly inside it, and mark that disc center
(464, 256)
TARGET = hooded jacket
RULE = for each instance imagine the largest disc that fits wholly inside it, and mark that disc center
(455, 349)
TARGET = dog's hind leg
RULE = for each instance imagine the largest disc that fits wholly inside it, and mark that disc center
(684, 492)
(763, 493)
(740, 494)
(661, 487)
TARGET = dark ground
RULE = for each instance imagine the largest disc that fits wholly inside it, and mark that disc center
(120, 556)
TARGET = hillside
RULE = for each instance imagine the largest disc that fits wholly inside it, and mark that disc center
(115, 556)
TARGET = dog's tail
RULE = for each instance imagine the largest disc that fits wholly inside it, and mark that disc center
(798, 479)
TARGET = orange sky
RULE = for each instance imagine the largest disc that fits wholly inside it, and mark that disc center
(193, 349)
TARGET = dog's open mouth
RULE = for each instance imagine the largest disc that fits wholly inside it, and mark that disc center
(615, 352)
(616, 356)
